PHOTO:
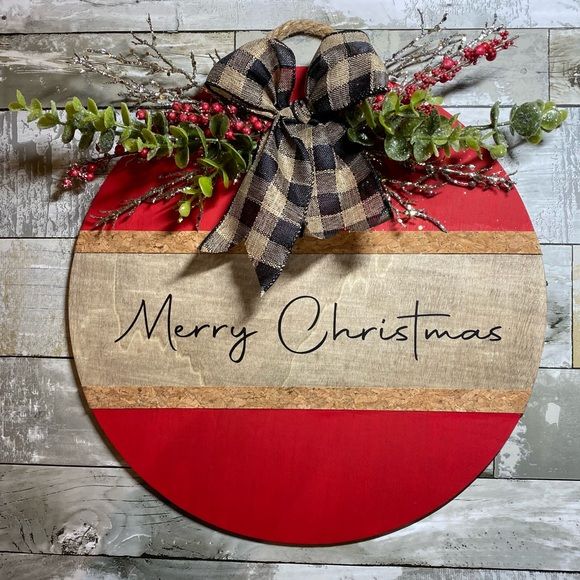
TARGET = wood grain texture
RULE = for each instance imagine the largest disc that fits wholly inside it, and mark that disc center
(43, 567)
(576, 307)
(42, 417)
(545, 442)
(107, 290)
(152, 242)
(517, 76)
(40, 567)
(178, 15)
(558, 342)
(33, 281)
(39, 64)
(82, 511)
(565, 66)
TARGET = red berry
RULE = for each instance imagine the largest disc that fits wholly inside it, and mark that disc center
(203, 120)
(183, 117)
(141, 114)
(207, 133)
(230, 135)
(379, 98)
(246, 130)
(91, 167)
(143, 153)
(205, 107)
(504, 34)
(252, 118)
(239, 125)
(491, 54)
(67, 183)
(73, 172)
(176, 106)
(448, 63)
(217, 108)
(187, 107)
(232, 109)
(172, 116)
(89, 176)
(481, 49)
(193, 118)
(258, 125)
(391, 86)
(119, 149)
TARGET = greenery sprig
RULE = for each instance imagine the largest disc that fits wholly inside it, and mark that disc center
(417, 130)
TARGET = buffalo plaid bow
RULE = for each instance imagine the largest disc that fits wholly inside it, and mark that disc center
(307, 174)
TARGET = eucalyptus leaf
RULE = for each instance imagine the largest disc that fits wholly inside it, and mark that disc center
(68, 133)
(182, 157)
(359, 137)
(494, 114)
(368, 114)
(397, 148)
(238, 159)
(421, 150)
(109, 117)
(86, 139)
(47, 121)
(550, 120)
(125, 114)
(206, 185)
(185, 208)
(106, 141)
(20, 99)
(526, 119)
(92, 106)
(218, 125)
(180, 135)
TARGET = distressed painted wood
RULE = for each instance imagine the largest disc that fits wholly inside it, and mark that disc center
(43, 567)
(42, 416)
(175, 15)
(81, 511)
(515, 76)
(565, 66)
(576, 307)
(558, 342)
(39, 64)
(33, 281)
(31, 162)
(545, 442)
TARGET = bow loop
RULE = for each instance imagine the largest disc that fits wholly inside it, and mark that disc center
(344, 71)
(259, 75)
(307, 175)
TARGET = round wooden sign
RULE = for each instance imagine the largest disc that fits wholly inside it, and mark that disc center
(369, 386)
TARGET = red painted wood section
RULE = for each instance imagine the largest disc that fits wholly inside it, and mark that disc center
(306, 477)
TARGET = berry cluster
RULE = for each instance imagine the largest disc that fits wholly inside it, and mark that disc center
(449, 66)
(78, 174)
(200, 111)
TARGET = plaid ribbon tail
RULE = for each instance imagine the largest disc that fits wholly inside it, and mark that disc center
(269, 210)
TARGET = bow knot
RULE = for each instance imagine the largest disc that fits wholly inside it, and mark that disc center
(307, 175)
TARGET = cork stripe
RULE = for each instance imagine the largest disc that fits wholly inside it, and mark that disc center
(335, 398)
(368, 242)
